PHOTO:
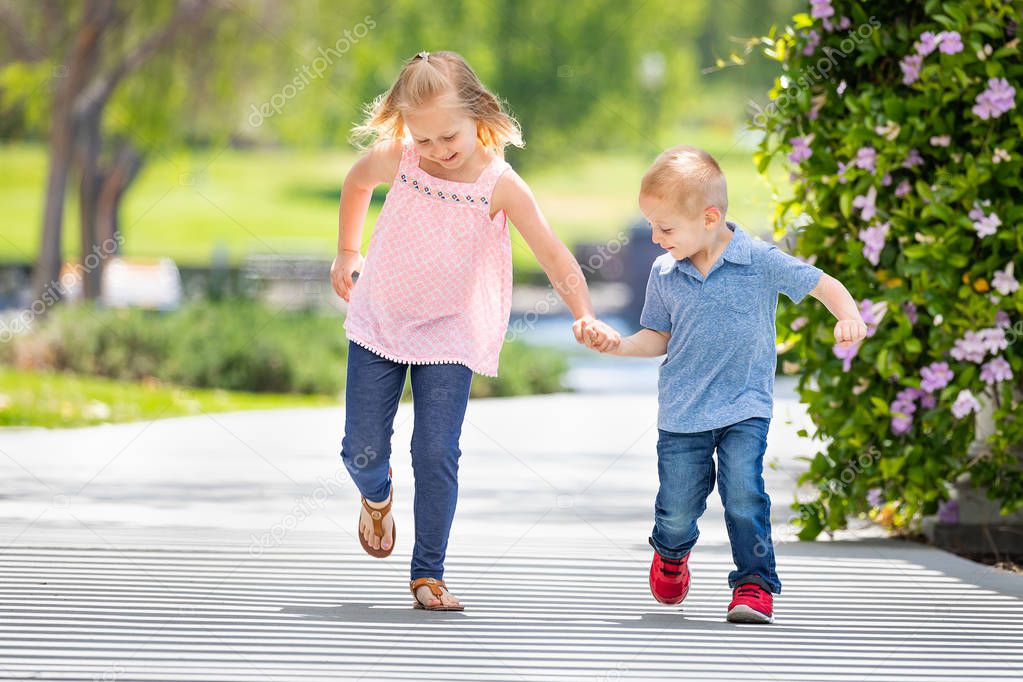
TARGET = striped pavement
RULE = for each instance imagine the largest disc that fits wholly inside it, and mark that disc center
(219, 547)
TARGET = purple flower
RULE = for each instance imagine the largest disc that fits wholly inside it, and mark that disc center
(813, 39)
(903, 188)
(872, 314)
(867, 204)
(913, 159)
(971, 348)
(1002, 320)
(994, 339)
(846, 354)
(800, 148)
(928, 43)
(902, 409)
(996, 370)
(798, 323)
(844, 23)
(873, 239)
(901, 425)
(941, 140)
(951, 42)
(821, 9)
(948, 512)
(841, 87)
(886, 180)
(875, 497)
(997, 99)
(964, 404)
(911, 66)
(935, 377)
(909, 396)
(842, 168)
(1005, 281)
(928, 401)
(984, 224)
(866, 158)
(910, 309)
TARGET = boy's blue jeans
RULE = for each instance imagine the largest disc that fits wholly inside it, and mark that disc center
(440, 394)
(685, 466)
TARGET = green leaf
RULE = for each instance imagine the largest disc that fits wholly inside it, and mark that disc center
(987, 29)
(881, 363)
(880, 406)
(845, 204)
(811, 528)
(891, 466)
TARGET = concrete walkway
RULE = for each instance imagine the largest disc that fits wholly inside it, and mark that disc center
(221, 547)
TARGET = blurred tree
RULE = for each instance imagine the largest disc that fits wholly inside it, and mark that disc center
(86, 43)
(594, 75)
(109, 82)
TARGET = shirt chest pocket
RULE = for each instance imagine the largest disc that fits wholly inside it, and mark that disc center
(738, 293)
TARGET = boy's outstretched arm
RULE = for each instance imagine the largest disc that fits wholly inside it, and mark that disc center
(646, 343)
(850, 327)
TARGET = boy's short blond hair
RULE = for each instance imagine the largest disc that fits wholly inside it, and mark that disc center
(688, 177)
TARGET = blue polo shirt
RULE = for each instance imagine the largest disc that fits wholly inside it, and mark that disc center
(721, 357)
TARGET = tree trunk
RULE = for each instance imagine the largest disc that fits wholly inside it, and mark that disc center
(89, 142)
(88, 113)
(126, 166)
(81, 62)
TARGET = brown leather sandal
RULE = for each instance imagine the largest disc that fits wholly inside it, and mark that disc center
(378, 528)
(434, 586)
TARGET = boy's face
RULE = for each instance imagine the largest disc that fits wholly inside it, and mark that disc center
(675, 231)
(442, 132)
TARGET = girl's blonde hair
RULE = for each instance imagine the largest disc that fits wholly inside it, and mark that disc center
(423, 78)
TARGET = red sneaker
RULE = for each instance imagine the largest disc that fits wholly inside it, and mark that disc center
(751, 604)
(669, 579)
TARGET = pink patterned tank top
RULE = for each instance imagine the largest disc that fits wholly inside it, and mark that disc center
(436, 284)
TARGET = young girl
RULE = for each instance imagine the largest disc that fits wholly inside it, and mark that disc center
(434, 291)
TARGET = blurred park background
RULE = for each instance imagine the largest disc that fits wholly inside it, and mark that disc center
(171, 170)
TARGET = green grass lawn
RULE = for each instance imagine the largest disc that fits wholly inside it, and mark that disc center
(62, 400)
(190, 204)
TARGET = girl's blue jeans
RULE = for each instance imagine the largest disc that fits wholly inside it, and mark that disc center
(440, 394)
(685, 466)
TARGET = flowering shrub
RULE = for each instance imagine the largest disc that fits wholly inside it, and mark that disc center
(901, 125)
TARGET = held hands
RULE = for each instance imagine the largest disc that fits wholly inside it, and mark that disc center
(848, 332)
(345, 264)
(595, 334)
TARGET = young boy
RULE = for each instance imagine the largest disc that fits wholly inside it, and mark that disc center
(710, 306)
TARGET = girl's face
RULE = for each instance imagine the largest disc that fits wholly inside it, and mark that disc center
(442, 131)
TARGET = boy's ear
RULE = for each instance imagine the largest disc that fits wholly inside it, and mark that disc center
(711, 216)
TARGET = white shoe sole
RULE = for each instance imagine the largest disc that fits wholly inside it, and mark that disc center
(744, 614)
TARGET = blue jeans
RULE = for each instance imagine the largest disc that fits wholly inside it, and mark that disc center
(440, 394)
(685, 466)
